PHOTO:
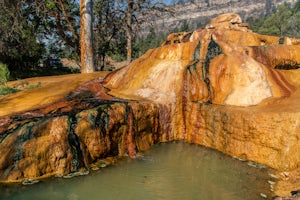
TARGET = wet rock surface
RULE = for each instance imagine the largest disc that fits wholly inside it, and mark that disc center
(64, 144)
(219, 87)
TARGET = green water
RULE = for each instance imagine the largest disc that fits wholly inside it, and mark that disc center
(170, 171)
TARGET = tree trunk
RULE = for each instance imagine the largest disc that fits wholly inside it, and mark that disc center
(129, 29)
(86, 36)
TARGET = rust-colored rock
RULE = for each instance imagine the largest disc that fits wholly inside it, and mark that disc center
(237, 63)
(36, 149)
(230, 65)
(66, 144)
(223, 87)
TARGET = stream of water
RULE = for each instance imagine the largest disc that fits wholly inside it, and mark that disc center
(168, 171)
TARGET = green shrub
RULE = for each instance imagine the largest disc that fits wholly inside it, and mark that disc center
(4, 90)
(4, 77)
(4, 74)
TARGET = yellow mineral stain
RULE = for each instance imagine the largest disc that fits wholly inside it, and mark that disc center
(52, 89)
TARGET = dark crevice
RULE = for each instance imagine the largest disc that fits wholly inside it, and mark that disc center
(197, 55)
(25, 136)
(130, 119)
(187, 37)
(102, 118)
(213, 50)
(4, 134)
(131, 130)
(290, 66)
(167, 42)
(281, 40)
(15, 127)
(78, 160)
(263, 42)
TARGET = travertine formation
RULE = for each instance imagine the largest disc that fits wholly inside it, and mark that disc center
(228, 63)
(223, 87)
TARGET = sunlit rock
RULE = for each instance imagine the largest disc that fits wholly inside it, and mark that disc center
(36, 149)
(228, 66)
(228, 20)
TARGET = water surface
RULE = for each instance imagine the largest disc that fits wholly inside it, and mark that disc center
(168, 171)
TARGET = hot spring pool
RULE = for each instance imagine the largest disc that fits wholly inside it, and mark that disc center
(168, 171)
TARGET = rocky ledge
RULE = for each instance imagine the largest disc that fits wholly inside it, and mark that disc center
(223, 87)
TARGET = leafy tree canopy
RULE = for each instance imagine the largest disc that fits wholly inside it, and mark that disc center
(285, 21)
(19, 46)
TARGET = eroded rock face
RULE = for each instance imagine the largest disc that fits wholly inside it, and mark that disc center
(36, 149)
(220, 87)
(233, 66)
(66, 144)
(225, 64)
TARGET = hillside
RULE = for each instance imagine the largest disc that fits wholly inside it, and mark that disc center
(198, 12)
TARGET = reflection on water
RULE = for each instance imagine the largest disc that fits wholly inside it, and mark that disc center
(168, 171)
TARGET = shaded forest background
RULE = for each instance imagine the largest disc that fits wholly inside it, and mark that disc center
(32, 31)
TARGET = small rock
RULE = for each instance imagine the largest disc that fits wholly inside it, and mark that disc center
(95, 168)
(30, 182)
(271, 182)
(273, 176)
(103, 165)
(58, 175)
(256, 165)
(71, 175)
(263, 195)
